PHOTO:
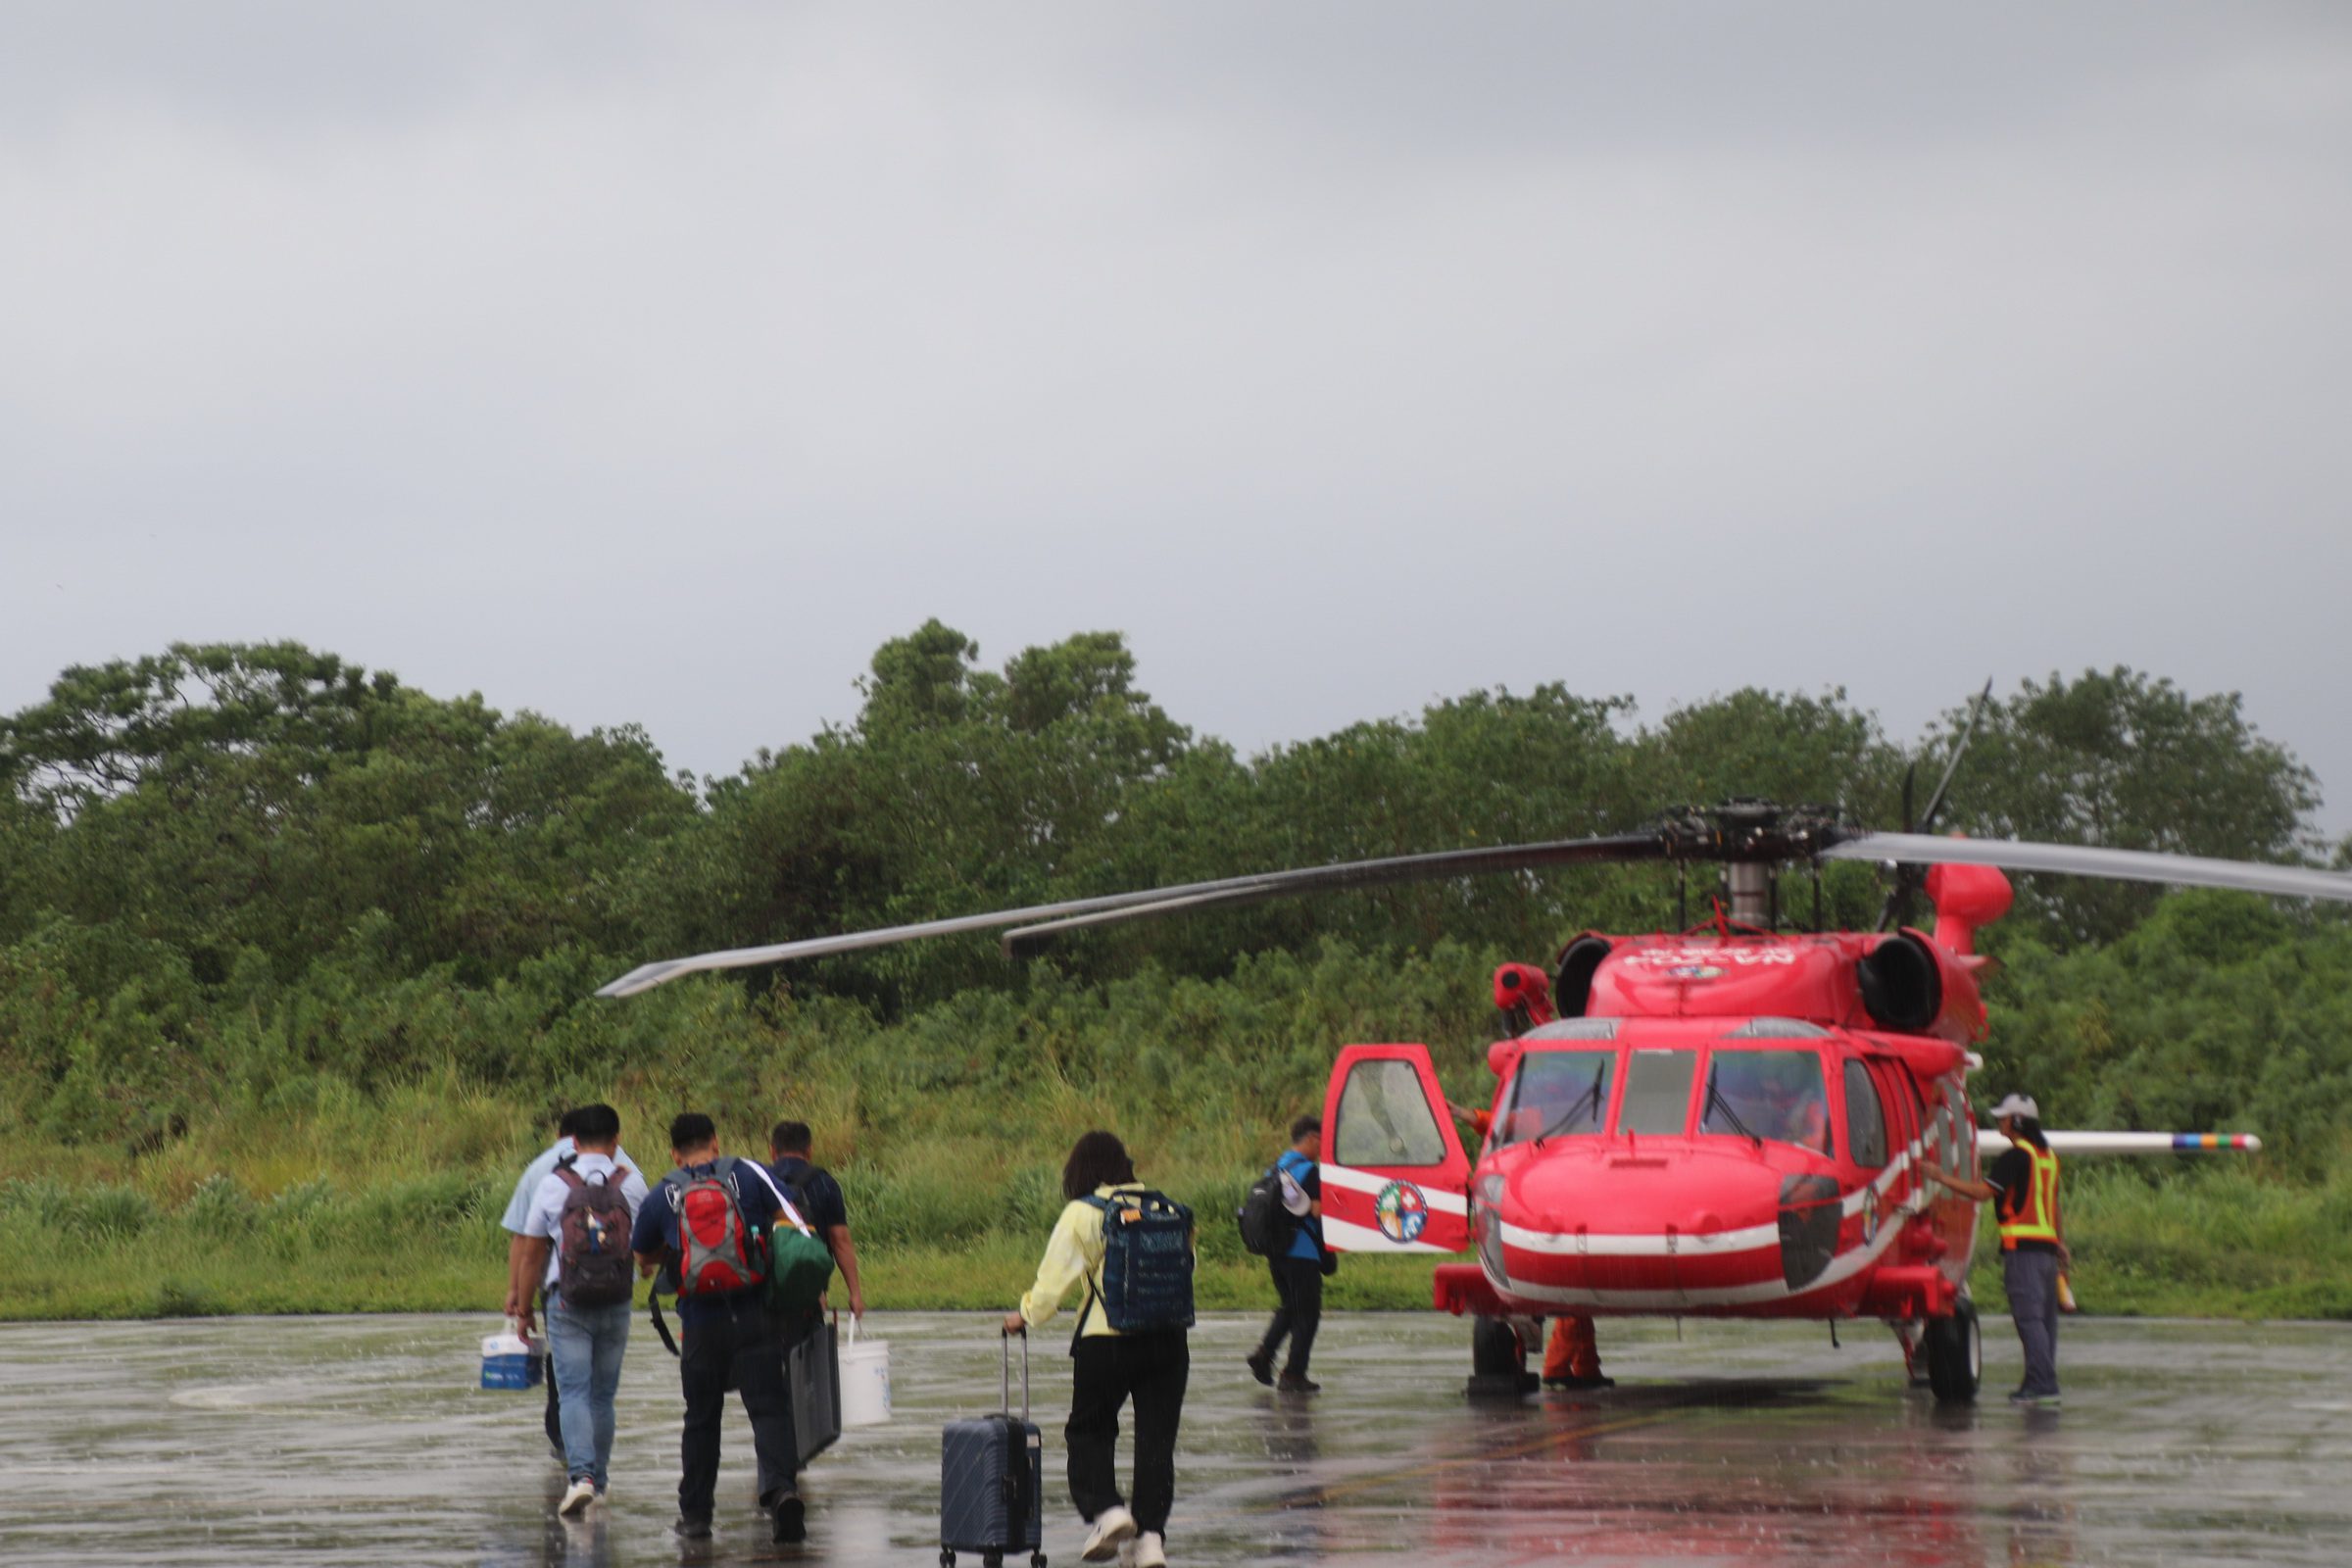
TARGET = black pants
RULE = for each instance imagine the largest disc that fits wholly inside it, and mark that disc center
(733, 1345)
(555, 1418)
(1105, 1372)
(1298, 1281)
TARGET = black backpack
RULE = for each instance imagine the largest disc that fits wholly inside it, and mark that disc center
(1264, 1222)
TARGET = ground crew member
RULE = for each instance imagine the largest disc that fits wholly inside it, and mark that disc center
(2024, 1184)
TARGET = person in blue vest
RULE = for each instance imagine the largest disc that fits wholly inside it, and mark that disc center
(1108, 1368)
(1298, 1269)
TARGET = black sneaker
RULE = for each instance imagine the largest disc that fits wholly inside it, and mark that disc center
(691, 1529)
(790, 1518)
(1262, 1368)
(1292, 1382)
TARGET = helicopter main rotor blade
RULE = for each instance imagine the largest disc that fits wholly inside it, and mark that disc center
(1439, 866)
(2083, 859)
(1943, 785)
(1236, 889)
(1906, 877)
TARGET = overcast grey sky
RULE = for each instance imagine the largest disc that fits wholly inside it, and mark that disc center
(655, 363)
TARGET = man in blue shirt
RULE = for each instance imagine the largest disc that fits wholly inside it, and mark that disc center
(728, 1339)
(522, 1281)
(1298, 1269)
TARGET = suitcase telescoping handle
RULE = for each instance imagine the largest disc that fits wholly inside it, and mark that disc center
(1024, 1338)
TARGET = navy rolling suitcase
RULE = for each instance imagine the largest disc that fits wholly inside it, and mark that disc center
(991, 1474)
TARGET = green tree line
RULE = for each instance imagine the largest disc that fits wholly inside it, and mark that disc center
(248, 887)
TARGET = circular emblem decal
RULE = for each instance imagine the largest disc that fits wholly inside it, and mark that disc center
(1694, 971)
(1401, 1212)
(1870, 1216)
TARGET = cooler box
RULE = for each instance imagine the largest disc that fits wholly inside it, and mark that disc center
(510, 1361)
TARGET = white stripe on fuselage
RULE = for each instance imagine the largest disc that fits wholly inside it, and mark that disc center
(1702, 1244)
(1438, 1199)
(1363, 1239)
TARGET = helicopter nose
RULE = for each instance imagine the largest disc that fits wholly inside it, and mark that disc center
(1695, 1229)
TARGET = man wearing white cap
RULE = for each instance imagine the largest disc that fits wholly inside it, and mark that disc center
(2024, 1184)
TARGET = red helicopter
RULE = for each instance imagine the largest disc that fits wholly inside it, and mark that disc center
(1724, 1121)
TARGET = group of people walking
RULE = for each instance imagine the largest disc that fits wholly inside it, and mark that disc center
(585, 1222)
(585, 1185)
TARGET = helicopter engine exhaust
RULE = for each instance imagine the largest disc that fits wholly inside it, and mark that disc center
(1901, 983)
(1572, 986)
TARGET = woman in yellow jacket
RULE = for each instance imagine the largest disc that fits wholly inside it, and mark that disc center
(1109, 1368)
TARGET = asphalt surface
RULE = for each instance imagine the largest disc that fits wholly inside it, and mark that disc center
(364, 1441)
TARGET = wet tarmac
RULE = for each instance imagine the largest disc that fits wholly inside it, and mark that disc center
(362, 1440)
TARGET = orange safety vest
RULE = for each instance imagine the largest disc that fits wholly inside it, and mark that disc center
(2031, 1216)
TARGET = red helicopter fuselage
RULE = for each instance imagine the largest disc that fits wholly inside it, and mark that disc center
(1728, 1123)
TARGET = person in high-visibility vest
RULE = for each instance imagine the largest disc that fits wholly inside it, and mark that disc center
(2024, 1184)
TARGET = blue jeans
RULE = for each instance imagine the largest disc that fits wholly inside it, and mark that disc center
(585, 1345)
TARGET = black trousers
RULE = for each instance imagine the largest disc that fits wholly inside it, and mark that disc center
(1298, 1281)
(734, 1345)
(555, 1418)
(1105, 1372)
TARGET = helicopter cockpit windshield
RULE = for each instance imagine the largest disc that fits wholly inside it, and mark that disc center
(1774, 1095)
(1557, 1094)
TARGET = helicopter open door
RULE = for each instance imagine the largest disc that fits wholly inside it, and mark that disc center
(1395, 1176)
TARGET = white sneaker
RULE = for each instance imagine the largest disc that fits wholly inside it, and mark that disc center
(1150, 1551)
(1111, 1526)
(582, 1493)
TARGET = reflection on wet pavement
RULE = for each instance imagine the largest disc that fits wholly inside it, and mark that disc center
(362, 1440)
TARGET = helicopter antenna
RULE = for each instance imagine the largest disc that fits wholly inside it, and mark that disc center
(1907, 875)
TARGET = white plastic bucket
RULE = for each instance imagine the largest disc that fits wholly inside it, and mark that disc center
(865, 1381)
(512, 1362)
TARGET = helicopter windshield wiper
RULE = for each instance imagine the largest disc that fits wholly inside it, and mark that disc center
(1715, 1102)
(1586, 1103)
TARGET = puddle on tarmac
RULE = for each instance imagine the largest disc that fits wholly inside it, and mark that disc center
(362, 1440)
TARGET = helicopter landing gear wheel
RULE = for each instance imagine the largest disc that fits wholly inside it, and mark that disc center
(1499, 1361)
(1955, 1349)
(946, 1559)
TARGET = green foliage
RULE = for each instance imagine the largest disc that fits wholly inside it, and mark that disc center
(296, 960)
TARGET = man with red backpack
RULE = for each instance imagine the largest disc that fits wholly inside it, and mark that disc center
(579, 1230)
(706, 1224)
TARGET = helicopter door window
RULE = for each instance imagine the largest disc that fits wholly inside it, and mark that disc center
(1557, 1094)
(1385, 1119)
(1657, 1091)
(1865, 1118)
(1775, 1095)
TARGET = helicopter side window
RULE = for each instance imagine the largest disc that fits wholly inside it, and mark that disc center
(1657, 1091)
(1385, 1119)
(1557, 1094)
(1865, 1117)
(1776, 1095)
